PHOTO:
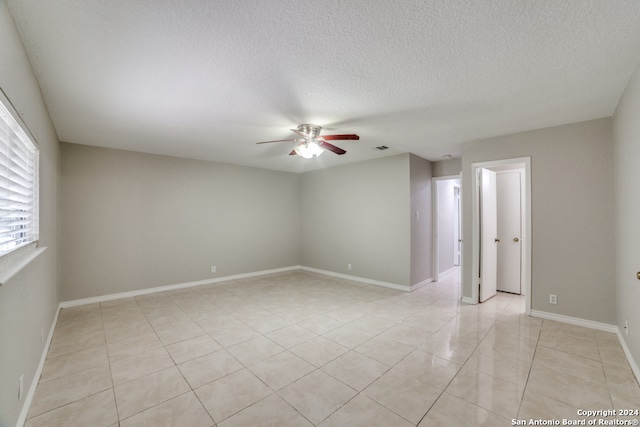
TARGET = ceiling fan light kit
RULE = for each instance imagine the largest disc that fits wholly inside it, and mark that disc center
(312, 144)
(308, 150)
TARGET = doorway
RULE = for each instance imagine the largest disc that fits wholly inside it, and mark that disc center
(447, 226)
(501, 248)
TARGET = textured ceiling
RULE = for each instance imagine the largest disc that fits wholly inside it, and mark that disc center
(208, 79)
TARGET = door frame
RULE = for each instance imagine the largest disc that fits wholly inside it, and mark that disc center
(434, 222)
(526, 228)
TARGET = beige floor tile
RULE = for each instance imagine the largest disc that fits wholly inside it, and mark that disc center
(402, 394)
(384, 350)
(132, 346)
(232, 336)
(372, 324)
(317, 395)
(182, 411)
(364, 412)
(491, 393)
(291, 336)
(567, 330)
(512, 369)
(271, 411)
(127, 331)
(429, 369)
(570, 344)
(449, 348)
(349, 336)
(208, 368)
(231, 394)
(612, 354)
(97, 410)
(149, 391)
(570, 364)
(62, 391)
(538, 406)
(577, 392)
(450, 410)
(164, 319)
(424, 337)
(321, 324)
(319, 351)
(177, 333)
(70, 363)
(407, 335)
(134, 367)
(269, 324)
(255, 350)
(71, 342)
(281, 370)
(194, 347)
(214, 321)
(355, 370)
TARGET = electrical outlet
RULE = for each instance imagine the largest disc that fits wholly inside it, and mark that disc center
(213, 268)
(553, 299)
(626, 327)
(348, 266)
(20, 387)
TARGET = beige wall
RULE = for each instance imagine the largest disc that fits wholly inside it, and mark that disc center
(572, 215)
(359, 214)
(29, 301)
(626, 135)
(132, 221)
(421, 227)
(447, 167)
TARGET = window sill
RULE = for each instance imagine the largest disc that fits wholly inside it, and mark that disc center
(18, 263)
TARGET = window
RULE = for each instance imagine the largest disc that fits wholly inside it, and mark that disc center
(18, 182)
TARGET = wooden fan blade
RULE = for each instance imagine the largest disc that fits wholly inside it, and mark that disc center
(343, 137)
(277, 140)
(332, 148)
(292, 153)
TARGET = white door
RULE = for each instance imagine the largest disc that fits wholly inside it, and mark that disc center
(509, 231)
(488, 235)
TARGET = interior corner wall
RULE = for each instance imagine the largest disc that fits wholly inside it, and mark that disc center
(133, 221)
(29, 301)
(358, 214)
(421, 220)
(447, 167)
(626, 136)
(572, 215)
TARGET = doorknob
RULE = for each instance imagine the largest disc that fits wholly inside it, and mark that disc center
(515, 239)
(497, 240)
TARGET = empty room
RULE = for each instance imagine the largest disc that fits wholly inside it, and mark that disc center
(329, 213)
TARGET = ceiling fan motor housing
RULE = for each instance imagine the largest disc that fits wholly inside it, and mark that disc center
(312, 131)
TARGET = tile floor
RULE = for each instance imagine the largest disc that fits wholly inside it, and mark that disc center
(302, 349)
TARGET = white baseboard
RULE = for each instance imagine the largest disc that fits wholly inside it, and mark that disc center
(358, 279)
(36, 376)
(73, 303)
(467, 300)
(575, 321)
(420, 284)
(627, 352)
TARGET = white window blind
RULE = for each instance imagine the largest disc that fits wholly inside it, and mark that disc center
(18, 183)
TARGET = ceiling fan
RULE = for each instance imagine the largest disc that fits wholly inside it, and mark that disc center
(312, 144)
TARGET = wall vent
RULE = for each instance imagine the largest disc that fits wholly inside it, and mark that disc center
(380, 148)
